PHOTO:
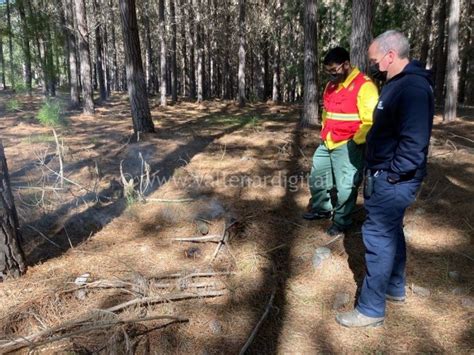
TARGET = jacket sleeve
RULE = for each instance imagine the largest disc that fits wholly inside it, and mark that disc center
(366, 101)
(415, 121)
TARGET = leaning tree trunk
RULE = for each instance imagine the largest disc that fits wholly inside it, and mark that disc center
(12, 259)
(161, 20)
(310, 110)
(242, 32)
(361, 34)
(136, 85)
(84, 55)
(452, 67)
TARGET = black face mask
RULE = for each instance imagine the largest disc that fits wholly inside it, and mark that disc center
(336, 78)
(376, 73)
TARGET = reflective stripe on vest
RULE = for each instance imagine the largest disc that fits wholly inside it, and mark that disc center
(342, 116)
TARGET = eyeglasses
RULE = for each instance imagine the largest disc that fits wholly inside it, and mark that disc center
(373, 61)
(333, 70)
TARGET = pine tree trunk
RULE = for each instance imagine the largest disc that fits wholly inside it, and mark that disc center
(41, 58)
(266, 70)
(276, 92)
(208, 83)
(106, 58)
(451, 100)
(99, 51)
(63, 62)
(149, 56)
(174, 66)
(49, 57)
(184, 56)
(467, 53)
(192, 59)
(10, 45)
(26, 45)
(161, 19)
(84, 54)
(469, 96)
(361, 34)
(425, 46)
(310, 109)
(441, 54)
(200, 49)
(242, 53)
(2, 66)
(12, 259)
(115, 68)
(73, 65)
(136, 85)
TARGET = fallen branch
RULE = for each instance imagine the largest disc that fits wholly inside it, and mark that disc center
(194, 274)
(131, 286)
(161, 299)
(33, 340)
(259, 324)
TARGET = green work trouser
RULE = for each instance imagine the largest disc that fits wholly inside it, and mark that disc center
(339, 168)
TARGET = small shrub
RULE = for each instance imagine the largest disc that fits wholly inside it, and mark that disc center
(51, 114)
(13, 105)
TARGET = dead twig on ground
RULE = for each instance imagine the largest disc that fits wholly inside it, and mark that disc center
(208, 238)
(458, 136)
(165, 200)
(333, 240)
(60, 158)
(259, 324)
(224, 241)
(44, 236)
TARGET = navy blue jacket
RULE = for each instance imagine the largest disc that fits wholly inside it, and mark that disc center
(400, 135)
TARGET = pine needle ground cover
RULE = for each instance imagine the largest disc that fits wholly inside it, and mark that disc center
(242, 173)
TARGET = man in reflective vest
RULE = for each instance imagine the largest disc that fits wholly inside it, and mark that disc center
(349, 101)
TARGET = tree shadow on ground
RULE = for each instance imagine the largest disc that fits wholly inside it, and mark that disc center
(79, 227)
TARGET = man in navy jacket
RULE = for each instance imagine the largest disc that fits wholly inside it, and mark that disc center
(397, 148)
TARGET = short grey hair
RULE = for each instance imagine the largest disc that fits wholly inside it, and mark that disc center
(395, 41)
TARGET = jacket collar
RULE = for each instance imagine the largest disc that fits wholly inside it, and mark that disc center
(350, 78)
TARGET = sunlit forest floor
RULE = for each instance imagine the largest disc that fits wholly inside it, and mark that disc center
(223, 166)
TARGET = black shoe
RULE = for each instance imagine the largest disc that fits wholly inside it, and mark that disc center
(316, 215)
(335, 231)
